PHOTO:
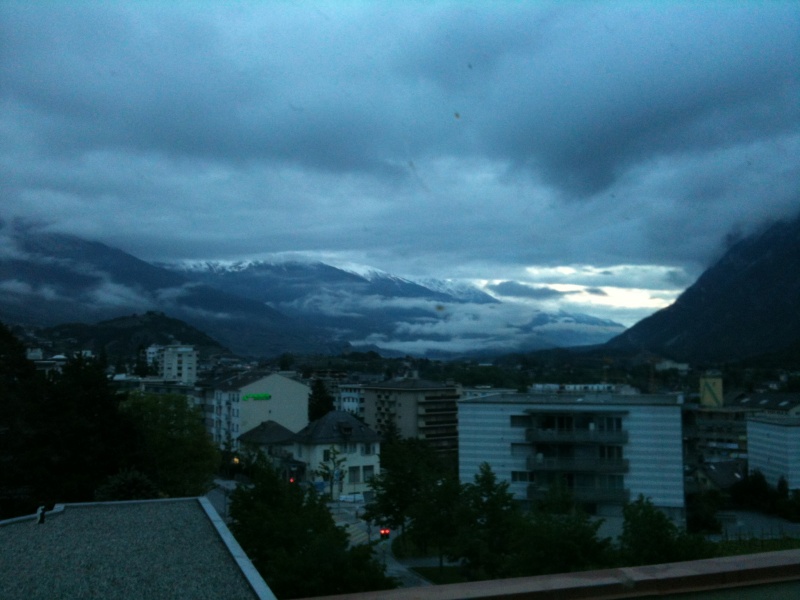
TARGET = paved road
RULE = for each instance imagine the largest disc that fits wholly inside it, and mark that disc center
(347, 515)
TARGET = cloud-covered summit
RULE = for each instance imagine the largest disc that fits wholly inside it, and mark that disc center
(475, 140)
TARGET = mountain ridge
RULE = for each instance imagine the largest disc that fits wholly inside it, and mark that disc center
(262, 308)
(743, 306)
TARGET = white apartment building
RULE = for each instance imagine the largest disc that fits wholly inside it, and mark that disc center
(176, 362)
(245, 401)
(605, 448)
(773, 447)
(350, 398)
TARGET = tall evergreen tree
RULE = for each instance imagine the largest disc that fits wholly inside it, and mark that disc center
(320, 402)
(21, 392)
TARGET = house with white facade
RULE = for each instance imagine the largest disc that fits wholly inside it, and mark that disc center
(606, 449)
(247, 400)
(339, 436)
(774, 447)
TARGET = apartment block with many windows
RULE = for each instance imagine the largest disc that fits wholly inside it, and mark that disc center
(419, 408)
(605, 449)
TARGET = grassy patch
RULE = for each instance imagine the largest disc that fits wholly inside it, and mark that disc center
(755, 545)
(441, 576)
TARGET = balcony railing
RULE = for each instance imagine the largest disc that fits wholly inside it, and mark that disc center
(585, 494)
(576, 465)
(571, 436)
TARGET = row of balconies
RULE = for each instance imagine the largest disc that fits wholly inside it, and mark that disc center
(589, 464)
(584, 494)
(576, 436)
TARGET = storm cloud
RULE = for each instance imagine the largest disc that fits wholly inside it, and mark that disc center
(489, 142)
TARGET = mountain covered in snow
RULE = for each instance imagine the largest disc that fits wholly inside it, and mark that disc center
(264, 308)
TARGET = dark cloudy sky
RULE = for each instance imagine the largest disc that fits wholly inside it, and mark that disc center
(591, 156)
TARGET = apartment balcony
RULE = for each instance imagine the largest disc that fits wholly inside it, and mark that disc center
(578, 465)
(585, 494)
(423, 409)
(573, 436)
(447, 421)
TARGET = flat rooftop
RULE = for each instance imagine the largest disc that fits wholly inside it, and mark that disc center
(121, 550)
(578, 399)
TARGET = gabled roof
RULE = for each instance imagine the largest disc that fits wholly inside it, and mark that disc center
(268, 433)
(243, 379)
(337, 427)
(178, 549)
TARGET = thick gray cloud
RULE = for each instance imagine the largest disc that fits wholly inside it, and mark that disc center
(520, 290)
(484, 141)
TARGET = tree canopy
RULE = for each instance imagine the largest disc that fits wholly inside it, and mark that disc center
(320, 402)
(173, 449)
(290, 536)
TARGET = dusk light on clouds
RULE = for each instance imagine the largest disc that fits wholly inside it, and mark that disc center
(591, 157)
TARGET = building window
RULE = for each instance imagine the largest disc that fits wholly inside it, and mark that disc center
(369, 473)
(368, 449)
(354, 475)
(611, 452)
(519, 476)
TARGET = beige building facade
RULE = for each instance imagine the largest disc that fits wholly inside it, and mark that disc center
(418, 408)
(244, 402)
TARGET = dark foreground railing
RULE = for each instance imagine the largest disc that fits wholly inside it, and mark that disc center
(751, 576)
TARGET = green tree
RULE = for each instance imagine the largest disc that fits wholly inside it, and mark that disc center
(285, 361)
(173, 449)
(559, 543)
(492, 528)
(127, 485)
(80, 439)
(21, 395)
(434, 515)
(294, 543)
(331, 469)
(649, 537)
(320, 402)
(408, 466)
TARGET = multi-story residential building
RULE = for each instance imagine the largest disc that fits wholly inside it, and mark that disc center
(176, 362)
(774, 447)
(419, 409)
(243, 402)
(350, 398)
(605, 448)
(716, 429)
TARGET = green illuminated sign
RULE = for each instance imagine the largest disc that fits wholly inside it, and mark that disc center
(247, 397)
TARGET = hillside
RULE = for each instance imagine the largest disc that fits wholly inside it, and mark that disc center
(124, 336)
(744, 306)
